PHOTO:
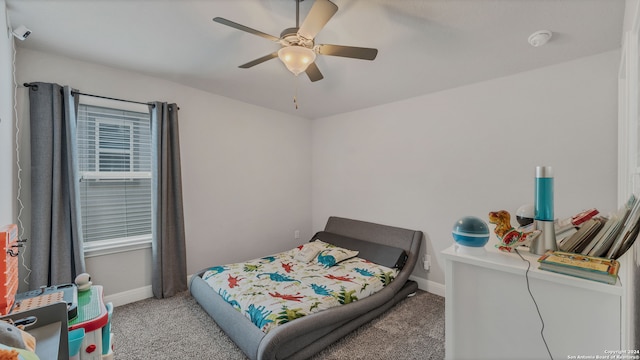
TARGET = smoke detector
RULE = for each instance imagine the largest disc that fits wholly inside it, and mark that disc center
(540, 38)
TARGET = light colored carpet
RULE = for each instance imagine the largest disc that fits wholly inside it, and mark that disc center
(178, 328)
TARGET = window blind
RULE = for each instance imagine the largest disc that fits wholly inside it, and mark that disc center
(115, 173)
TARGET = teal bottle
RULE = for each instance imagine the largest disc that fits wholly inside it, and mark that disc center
(543, 213)
(544, 194)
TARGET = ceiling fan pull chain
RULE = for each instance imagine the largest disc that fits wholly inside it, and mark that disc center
(295, 94)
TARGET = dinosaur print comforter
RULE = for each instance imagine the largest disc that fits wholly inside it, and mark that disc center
(276, 289)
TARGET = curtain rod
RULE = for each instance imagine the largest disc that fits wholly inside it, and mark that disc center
(35, 87)
(110, 98)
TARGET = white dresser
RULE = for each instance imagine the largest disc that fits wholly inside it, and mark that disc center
(490, 315)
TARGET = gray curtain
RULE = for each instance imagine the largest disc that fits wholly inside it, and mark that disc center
(56, 231)
(169, 257)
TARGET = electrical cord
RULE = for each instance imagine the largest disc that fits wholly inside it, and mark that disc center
(19, 168)
(526, 275)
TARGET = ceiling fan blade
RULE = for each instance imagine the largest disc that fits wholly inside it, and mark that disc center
(313, 72)
(235, 25)
(348, 51)
(259, 60)
(319, 15)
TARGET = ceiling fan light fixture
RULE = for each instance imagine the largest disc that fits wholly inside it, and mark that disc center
(296, 58)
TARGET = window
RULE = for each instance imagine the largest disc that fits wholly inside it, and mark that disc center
(114, 148)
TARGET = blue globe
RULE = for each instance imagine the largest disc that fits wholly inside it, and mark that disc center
(471, 231)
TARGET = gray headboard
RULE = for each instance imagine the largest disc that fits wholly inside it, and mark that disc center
(381, 234)
(409, 240)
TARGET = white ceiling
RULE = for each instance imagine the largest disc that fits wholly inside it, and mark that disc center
(424, 46)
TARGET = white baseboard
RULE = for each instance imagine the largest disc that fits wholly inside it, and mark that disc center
(429, 286)
(129, 296)
(133, 295)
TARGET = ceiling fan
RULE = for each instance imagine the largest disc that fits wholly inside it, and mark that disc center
(298, 50)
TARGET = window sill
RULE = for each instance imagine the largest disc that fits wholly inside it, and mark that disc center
(107, 247)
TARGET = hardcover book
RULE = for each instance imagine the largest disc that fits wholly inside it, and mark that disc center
(584, 216)
(628, 233)
(586, 267)
(587, 231)
(608, 237)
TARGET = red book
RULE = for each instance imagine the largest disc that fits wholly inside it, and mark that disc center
(583, 216)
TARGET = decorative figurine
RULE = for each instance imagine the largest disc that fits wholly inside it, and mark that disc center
(509, 237)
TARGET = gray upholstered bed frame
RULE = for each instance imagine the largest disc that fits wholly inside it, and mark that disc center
(305, 336)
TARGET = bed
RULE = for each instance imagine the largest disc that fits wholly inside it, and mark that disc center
(389, 247)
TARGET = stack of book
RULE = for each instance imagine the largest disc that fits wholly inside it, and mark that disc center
(586, 267)
(583, 236)
(600, 236)
(567, 227)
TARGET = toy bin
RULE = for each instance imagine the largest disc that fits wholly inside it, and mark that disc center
(107, 336)
(75, 341)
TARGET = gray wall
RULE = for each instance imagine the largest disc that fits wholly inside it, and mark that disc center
(7, 146)
(633, 256)
(425, 162)
(252, 179)
(246, 169)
